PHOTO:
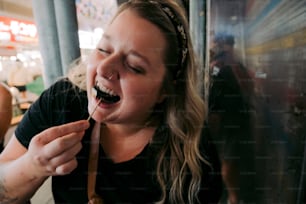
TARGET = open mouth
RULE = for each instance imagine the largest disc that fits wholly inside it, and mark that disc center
(105, 95)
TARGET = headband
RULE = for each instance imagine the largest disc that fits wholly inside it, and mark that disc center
(181, 35)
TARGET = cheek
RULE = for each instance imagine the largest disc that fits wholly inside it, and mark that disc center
(90, 75)
(90, 72)
(146, 90)
(92, 65)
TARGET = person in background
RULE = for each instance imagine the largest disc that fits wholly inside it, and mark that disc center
(19, 77)
(229, 107)
(145, 142)
(6, 111)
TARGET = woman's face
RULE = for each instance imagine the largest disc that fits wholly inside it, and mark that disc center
(126, 71)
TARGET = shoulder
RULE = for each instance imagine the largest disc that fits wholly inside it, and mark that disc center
(64, 93)
(64, 89)
(5, 94)
(62, 101)
(63, 84)
(4, 89)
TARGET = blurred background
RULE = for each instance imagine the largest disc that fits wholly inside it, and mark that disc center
(42, 37)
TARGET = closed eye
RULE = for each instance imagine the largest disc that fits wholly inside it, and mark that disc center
(135, 69)
(103, 51)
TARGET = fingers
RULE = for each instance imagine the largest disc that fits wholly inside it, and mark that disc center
(65, 162)
(53, 150)
(62, 144)
(58, 131)
(67, 147)
(66, 168)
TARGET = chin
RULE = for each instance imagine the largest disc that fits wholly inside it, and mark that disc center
(97, 119)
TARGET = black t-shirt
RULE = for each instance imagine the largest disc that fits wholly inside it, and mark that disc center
(132, 181)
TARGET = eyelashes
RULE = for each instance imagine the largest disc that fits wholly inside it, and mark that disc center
(103, 51)
(130, 66)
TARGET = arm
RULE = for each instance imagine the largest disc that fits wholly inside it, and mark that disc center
(51, 152)
(5, 110)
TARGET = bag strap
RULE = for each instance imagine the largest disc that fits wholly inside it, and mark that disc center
(93, 198)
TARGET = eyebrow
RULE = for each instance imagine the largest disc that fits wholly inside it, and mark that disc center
(132, 52)
(137, 54)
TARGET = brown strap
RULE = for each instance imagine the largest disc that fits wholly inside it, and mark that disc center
(93, 198)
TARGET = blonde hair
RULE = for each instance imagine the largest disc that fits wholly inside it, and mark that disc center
(77, 73)
(183, 110)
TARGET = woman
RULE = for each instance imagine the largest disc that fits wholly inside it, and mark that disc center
(143, 143)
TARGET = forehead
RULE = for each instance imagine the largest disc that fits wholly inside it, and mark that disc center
(130, 28)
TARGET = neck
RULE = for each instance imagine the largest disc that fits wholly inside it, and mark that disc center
(122, 143)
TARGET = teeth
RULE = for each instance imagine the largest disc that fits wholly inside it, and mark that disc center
(104, 89)
(108, 91)
(94, 92)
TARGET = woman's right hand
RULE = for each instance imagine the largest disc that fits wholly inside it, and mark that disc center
(53, 151)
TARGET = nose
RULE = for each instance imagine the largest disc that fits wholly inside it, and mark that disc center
(108, 68)
(110, 75)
